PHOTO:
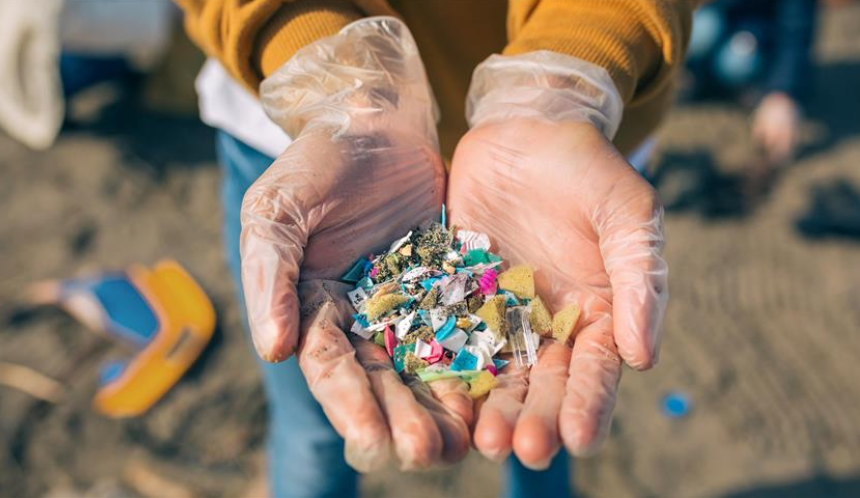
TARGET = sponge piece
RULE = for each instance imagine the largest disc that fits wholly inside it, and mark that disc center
(540, 318)
(520, 280)
(378, 305)
(493, 314)
(481, 384)
(564, 322)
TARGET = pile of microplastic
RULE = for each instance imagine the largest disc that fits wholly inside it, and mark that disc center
(440, 305)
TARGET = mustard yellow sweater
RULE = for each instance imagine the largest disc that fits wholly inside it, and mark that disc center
(640, 42)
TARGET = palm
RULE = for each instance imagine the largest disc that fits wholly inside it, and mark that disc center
(321, 206)
(550, 195)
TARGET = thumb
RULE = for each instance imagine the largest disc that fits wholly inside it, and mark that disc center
(274, 235)
(630, 230)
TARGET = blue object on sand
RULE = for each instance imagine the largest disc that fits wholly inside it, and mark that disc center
(676, 405)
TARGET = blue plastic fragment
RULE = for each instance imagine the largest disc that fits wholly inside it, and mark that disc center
(427, 283)
(444, 218)
(424, 316)
(499, 363)
(111, 371)
(446, 329)
(361, 318)
(510, 298)
(356, 271)
(676, 405)
(400, 355)
(365, 283)
(464, 361)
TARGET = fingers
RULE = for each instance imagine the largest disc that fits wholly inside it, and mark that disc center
(417, 440)
(338, 381)
(536, 438)
(497, 415)
(595, 369)
(274, 235)
(454, 396)
(452, 427)
(630, 231)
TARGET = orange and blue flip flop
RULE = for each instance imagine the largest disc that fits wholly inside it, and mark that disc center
(161, 314)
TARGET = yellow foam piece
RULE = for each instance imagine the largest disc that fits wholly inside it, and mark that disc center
(518, 279)
(492, 312)
(540, 318)
(482, 384)
(378, 305)
(564, 322)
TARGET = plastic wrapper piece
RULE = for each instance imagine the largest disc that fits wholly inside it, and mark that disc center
(520, 337)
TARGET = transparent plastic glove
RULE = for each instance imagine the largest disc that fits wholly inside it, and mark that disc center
(363, 169)
(539, 175)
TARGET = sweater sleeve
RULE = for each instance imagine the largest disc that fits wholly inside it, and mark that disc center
(253, 38)
(639, 42)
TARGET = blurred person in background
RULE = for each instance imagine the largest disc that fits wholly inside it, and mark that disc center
(51, 51)
(759, 52)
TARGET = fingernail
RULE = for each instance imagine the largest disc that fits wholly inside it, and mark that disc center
(365, 458)
(497, 456)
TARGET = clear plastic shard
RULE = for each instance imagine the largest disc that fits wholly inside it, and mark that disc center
(520, 336)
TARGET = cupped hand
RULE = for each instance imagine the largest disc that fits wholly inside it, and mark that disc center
(364, 169)
(558, 197)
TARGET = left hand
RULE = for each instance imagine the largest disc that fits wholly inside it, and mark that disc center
(775, 127)
(558, 197)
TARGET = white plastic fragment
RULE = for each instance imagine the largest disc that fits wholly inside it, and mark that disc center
(438, 317)
(454, 341)
(422, 349)
(403, 326)
(473, 240)
(359, 330)
(358, 297)
(453, 289)
(399, 242)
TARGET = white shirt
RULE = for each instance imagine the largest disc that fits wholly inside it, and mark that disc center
(226, 105)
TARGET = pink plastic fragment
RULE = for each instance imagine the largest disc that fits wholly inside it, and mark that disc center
(390, 340)
(487, 282)
(373, 272)
(436, 352)
(492, 369)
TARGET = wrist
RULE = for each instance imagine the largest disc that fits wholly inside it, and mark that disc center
(367, 76)
(544, 85)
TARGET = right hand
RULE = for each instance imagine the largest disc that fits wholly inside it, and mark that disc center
(364, 169)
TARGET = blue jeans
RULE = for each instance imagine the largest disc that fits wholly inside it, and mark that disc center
(305, 453)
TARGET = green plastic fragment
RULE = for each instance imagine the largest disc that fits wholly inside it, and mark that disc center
(430, 375)
(400, 355)
(475, 256)
(355, 273)
(379, 339)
